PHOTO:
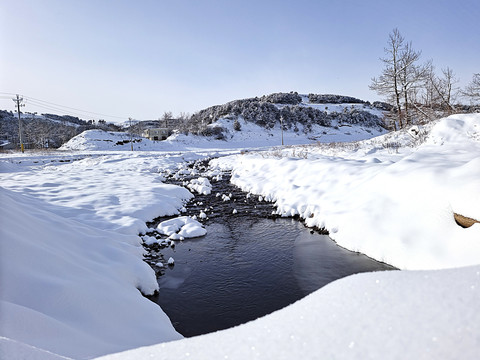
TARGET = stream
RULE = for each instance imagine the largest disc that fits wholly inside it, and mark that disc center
(249, 264)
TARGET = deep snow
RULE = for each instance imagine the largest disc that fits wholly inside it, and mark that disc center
(72, 266)
(70, 288)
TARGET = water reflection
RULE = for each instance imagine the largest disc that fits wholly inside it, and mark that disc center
(319, 261)
(248, 268)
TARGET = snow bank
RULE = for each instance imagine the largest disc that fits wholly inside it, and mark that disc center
(382, 315)
(394, 207)
(71, 289)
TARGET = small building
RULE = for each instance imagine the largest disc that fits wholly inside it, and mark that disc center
(6, 145)
(156, 134)
(6, 142)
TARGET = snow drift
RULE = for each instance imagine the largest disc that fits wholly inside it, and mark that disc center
(72, 289)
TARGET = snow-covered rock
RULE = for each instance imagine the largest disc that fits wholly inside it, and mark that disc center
(201, 185)
(183, 226)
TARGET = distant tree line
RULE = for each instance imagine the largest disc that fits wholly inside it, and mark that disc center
(293, 98)
(333, 99)
(416, 91)
(48, 130)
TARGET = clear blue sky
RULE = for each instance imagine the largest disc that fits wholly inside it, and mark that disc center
(144, 57)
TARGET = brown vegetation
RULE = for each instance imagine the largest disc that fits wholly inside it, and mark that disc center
(464, 221)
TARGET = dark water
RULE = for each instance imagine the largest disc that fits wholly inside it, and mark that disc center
(249, 267)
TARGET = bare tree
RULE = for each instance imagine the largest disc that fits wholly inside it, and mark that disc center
(443, 91)
(448, 82)
(167, 115)
(472, 90)
(387, 83)
(414, 88)
(182, 122)
(410, 75)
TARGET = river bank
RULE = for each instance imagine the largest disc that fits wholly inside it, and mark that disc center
(250, 263)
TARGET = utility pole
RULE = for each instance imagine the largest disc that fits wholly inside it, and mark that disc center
(131, 140)
(281, 125)
(18, 100)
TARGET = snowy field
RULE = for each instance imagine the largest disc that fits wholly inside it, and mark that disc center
(72, 272)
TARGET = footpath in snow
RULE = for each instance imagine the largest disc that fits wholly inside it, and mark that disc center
(72, 271)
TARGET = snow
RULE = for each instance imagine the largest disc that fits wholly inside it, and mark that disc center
(201, 185)
(401, 203)
(251, 136)
(103, 140)
(71, 255)
(111, 191)
(382, 315)
(24, 351)
(72, 262)
(69, 288)
(330, 108)
(183, 226)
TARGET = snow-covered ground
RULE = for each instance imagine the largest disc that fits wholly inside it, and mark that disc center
(71, 261)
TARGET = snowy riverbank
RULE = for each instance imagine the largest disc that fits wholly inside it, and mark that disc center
(72, 265)
(396, 206)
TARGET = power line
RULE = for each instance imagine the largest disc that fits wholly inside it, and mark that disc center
(62, 108)
(57, 109)
(67, 107)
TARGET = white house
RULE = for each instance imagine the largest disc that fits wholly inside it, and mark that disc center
(156, 133)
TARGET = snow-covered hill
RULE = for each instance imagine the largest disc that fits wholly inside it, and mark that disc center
(297, 113)
(255, 122)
